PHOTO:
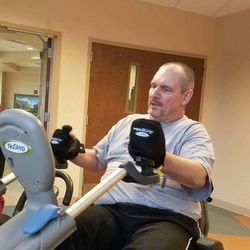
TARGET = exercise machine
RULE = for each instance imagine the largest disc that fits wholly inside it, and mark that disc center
(42, 224)
(26, 148)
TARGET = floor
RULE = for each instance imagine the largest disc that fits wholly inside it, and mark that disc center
(232, 229)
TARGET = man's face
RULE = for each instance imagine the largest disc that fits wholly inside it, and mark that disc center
(166, 101)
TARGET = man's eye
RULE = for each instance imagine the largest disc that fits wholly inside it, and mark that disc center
(165, 89)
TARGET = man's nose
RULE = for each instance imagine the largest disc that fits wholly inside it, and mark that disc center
(155, 92)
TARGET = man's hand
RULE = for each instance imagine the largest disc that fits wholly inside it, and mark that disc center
(147, 142)
(64, 146)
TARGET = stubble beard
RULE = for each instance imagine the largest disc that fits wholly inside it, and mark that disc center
(155, 114)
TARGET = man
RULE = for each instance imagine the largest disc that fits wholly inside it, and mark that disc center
(160, 216)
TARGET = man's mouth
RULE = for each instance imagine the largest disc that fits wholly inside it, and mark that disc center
(155, 103)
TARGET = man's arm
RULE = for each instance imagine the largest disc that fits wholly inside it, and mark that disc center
(185, 171)
(88, 160)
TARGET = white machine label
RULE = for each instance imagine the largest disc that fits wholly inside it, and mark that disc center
(143, 132)
(17, 147)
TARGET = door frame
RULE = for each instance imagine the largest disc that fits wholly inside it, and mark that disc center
(49, 110)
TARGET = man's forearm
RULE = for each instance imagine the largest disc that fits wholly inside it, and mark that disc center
(88, 160)
(185, 171)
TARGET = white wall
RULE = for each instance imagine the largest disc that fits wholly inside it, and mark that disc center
(231, 120)
(141, 25)
(1, 80)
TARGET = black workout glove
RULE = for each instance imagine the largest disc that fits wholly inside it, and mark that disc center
(147, 142)
(64, 146)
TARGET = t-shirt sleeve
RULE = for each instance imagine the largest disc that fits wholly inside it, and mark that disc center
(197, 145)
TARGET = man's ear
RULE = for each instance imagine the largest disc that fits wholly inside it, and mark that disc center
(187, 97)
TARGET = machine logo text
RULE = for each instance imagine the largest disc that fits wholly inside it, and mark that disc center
(17, 147)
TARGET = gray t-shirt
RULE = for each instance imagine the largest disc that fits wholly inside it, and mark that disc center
(184, 137)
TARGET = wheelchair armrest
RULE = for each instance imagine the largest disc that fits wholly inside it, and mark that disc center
(205, 243)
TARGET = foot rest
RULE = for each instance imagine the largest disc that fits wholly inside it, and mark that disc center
(40, 218)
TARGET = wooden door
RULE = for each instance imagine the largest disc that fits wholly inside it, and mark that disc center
(108, 88)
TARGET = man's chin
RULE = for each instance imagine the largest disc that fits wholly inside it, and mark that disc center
(154, 115)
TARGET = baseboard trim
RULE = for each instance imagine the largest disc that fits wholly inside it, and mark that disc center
(231, 207)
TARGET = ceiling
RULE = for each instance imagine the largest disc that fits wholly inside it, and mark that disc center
(215, 8)
(19, 52)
